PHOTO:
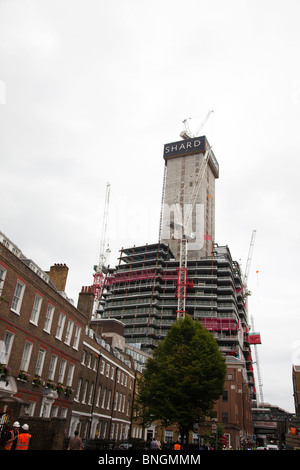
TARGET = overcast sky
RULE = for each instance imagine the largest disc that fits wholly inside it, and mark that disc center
(90, 91)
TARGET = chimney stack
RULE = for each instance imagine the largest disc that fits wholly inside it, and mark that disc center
(58, 275)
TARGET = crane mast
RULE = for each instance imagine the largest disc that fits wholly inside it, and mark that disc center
(247, 293)
(101, 268)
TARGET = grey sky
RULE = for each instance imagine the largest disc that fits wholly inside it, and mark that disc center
(92, 90)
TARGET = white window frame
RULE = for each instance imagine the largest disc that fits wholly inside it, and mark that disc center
(18, 297)
(26, 356)
(36, 308)
(60, 326)
(77, 337)
(85, 387)
(70, 375)
(79, 385)
(40, 362)
(52, 367)
(98, 395)
(108, 400)
(3, 273)
(69, 332)
(49, 318)
(62, 370)
(6, 346)
(91, 393)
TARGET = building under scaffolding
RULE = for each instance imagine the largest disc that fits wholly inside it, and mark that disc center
(142, 293)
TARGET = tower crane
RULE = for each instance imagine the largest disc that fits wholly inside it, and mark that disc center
(182, 282)
(186, 134)
(247, 293)
(101, 267)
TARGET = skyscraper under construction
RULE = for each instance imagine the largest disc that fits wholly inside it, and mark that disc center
(142, 291)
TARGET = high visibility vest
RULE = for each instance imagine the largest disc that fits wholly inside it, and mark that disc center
(9, 442)
(23, 441)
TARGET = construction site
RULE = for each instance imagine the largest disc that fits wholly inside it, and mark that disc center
(185, 273)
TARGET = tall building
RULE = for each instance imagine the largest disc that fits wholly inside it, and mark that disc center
(183, 169)
(143, 290)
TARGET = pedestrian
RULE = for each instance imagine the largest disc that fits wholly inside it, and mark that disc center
(158, 444)
(11, 435)
(75, 442)
(153, 444)
(23, 440)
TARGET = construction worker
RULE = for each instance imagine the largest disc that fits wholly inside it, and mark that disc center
(23, 441)
(12, 434)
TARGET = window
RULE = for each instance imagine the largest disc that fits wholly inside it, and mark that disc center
(18, 296)
(49, 318)
(224, 417)
(102, 367)
(108, 400)
(98, 396)
(5, 347)
(168, 436)
(103, 398)
(26, 356)
(70, 375)
(52, 367)
(107, 370)
(104, 429)
(112, 373)
(83, 357)
(69, 332)
(54, 411)
(89, 361)
(85, 387)
(78, 389)
(60, 326)
(225, 395)
(36, 309)
(116, 401)
(62, 370)
(40, 362)
(2, 278)
(77, 336)
(91, 394)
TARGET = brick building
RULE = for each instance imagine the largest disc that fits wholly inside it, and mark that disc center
(56, 372)
(105, 390)
(41, 336)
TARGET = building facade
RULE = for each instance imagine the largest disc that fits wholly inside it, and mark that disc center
(59, 372)
(40, 337)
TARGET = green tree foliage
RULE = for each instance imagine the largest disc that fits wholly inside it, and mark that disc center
(183, 379)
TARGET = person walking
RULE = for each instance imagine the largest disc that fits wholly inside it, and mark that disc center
(23, 440)
(153, 444)
(12, 434)
(75, 442)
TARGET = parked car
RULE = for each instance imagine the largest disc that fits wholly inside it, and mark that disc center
(272, 447)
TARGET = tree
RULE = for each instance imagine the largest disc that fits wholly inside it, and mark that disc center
(183, 379)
